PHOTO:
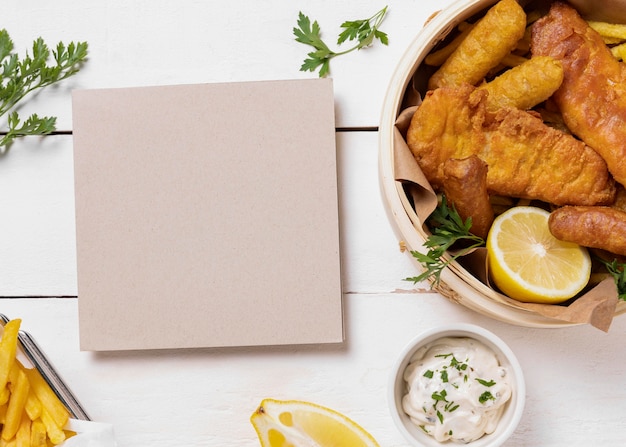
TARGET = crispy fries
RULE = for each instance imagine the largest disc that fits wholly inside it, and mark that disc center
(614, 35)
(30, 412)
(614, 30)
(437, 58)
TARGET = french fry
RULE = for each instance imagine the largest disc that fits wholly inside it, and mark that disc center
(513, 60)
(54, 431)
(31, 414)
(619, 51)
(612, 40)
(32, 406)
(437, 58)
(493, 37)
(22, 437)
(15, 409)
(38, 435)
(605, 29)
(4, 395)
(49, 401)
(8, 349)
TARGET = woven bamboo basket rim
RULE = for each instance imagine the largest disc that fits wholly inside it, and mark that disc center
(456, 283)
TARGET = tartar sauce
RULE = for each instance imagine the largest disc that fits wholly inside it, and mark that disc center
(457, 389)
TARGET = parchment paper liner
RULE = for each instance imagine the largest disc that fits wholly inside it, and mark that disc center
(596, 307)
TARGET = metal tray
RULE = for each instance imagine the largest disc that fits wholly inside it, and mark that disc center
(39, 360)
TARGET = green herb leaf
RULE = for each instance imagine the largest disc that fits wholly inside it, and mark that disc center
(485, 397)
(429, 374)
(451, 406)
(363, 31)
(618, 271)
(447, 228)
(444, 376)
(441, 396)
(440, 416)
(486, 383)
(19, 77)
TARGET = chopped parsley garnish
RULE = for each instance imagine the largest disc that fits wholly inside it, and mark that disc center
(485, 397)
(618, 272)
(486, 383)
(441, 396)
(440, 416)
(429, 374)
(444, 376)
(451, 406)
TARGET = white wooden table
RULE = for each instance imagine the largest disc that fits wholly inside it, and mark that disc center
(575, 376)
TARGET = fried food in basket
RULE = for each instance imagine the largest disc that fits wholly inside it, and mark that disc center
(600, 227)
(592, 97)
(32, 413)
(525, 85)
(489, 41)
(455, 122)
(465, 187)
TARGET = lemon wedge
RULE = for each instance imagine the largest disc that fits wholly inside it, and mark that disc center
(294, 423)
(529, 264)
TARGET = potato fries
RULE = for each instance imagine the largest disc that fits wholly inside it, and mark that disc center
(613, 30)
(31, 414)
(614, 35)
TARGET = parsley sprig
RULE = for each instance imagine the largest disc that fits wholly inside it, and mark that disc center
(19, 77)
(364, 31)
(618, 271)
(447, 228)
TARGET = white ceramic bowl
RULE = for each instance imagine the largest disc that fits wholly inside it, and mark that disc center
(513, 409)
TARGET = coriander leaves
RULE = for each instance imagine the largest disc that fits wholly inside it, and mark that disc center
(447, 229)
(19, 77)
(364, 31)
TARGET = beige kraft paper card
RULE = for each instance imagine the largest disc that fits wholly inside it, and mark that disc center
(207, 215)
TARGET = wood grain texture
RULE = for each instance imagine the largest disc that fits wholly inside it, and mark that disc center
(205, 397)
(575, 394)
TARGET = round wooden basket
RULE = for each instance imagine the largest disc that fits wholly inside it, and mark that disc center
(456, 284)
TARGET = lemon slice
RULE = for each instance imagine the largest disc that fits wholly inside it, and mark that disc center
(294, 423)
(529, 264)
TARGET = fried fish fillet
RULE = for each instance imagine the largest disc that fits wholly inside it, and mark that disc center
(526, 158)
(592, 96)
(526, 85)
(465, 187)
(488, 42)
(600, 227)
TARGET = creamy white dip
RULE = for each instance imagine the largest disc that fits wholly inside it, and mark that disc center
(457, 389)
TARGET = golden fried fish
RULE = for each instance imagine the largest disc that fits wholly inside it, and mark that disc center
(489, 41)
(600, 227)
(592, 96)
(465, 187)
(526, 158)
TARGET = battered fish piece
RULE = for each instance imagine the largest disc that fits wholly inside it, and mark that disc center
(592, 97)
(526, 158)
(620, 198)
(465, 186)
(492, 38)
(526, 85)
(600, 227)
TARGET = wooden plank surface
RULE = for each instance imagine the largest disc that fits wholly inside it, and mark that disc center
(575, 394)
